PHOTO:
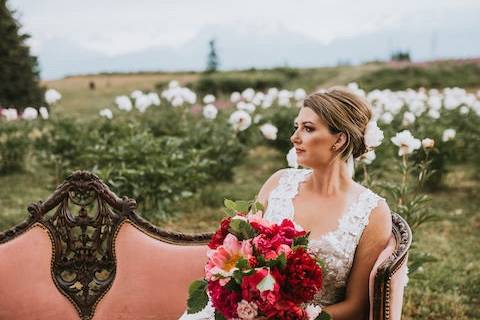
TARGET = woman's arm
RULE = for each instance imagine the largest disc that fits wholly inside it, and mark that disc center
(372, 242)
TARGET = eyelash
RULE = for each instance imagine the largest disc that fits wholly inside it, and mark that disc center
(308, 129)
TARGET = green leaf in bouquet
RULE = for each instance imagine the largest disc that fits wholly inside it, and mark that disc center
(238, 276)
(301, 241)
(229, 204)
(241, 229)
(219, 316)
(249, 272)
(232, 285)
(323, 316)
(282, 261)
(242, 206)
(261, 261)
(229, 212)
(242, 264)
(198, 297)
(259, 206)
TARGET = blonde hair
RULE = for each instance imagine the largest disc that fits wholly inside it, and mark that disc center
(343, 111)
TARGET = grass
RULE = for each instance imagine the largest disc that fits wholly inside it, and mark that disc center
(452, 285)
(435, 76)
(202, 213)
(78, 100)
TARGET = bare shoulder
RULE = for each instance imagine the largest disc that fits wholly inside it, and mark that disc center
(268, 186)
(379, 227)
(381, 216)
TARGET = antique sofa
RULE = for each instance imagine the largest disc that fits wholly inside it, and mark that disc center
(85, 254)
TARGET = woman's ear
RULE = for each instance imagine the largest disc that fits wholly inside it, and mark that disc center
(341, 140)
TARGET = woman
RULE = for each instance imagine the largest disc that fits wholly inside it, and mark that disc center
(349, 224)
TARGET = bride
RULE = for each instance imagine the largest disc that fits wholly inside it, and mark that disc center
(349, 224)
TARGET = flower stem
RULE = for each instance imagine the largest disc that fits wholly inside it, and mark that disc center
(365, 175)
(401, 199)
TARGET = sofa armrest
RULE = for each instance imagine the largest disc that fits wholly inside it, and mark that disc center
(388, 277)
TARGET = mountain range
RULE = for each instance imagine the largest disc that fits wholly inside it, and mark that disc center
(250, 47)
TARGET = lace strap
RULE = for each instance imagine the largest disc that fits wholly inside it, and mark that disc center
(287, 187)
(280, 204)
(362, 213)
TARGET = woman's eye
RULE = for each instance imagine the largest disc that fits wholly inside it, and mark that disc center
(308, 129)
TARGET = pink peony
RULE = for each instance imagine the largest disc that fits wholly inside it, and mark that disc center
(222, 261)
(247, 310)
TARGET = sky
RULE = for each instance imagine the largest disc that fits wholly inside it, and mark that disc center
(113, 28)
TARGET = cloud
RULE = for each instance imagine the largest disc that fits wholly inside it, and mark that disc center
(116, 27)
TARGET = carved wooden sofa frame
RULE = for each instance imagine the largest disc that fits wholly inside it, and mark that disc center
(104, 261)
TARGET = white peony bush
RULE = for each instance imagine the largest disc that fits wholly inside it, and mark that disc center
(209, 99)
(124, 103)
(106, 113)
(240, 120)
(52, 96)
(269, 131)
(448, 134)
(210, 111)
(406, 142)
(30, 113)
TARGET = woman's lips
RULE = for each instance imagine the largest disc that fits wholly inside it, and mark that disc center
(299, 150)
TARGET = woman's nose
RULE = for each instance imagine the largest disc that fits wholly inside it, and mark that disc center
(294, 137)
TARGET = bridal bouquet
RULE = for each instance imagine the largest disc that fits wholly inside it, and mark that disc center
(258, 270)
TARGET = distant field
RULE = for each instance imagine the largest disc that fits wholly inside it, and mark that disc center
(79, 100)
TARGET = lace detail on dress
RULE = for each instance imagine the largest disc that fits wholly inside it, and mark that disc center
(280, 204)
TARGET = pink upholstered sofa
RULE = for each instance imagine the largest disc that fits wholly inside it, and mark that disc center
(85, 254)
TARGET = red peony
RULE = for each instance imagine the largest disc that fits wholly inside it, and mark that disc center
(303, 277)
(263, 244)
(220, 234)
(252, 262)
(224, 299)
(287, 230)
(277, 234)
(284, 310)
(260, 228)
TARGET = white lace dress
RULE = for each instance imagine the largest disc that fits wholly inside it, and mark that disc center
(336, 248)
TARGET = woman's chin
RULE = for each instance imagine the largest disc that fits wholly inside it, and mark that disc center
(300, 161)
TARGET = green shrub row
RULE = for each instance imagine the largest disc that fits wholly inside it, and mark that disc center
(436, 76)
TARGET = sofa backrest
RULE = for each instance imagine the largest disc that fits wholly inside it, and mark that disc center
(26, 287)
(85, 254)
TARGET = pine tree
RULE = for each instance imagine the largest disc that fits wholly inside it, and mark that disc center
(19, 71)
(212, 63)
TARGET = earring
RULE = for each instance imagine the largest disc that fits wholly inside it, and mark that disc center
(334, 148)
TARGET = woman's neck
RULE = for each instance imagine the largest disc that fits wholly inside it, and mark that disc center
(331, 180)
